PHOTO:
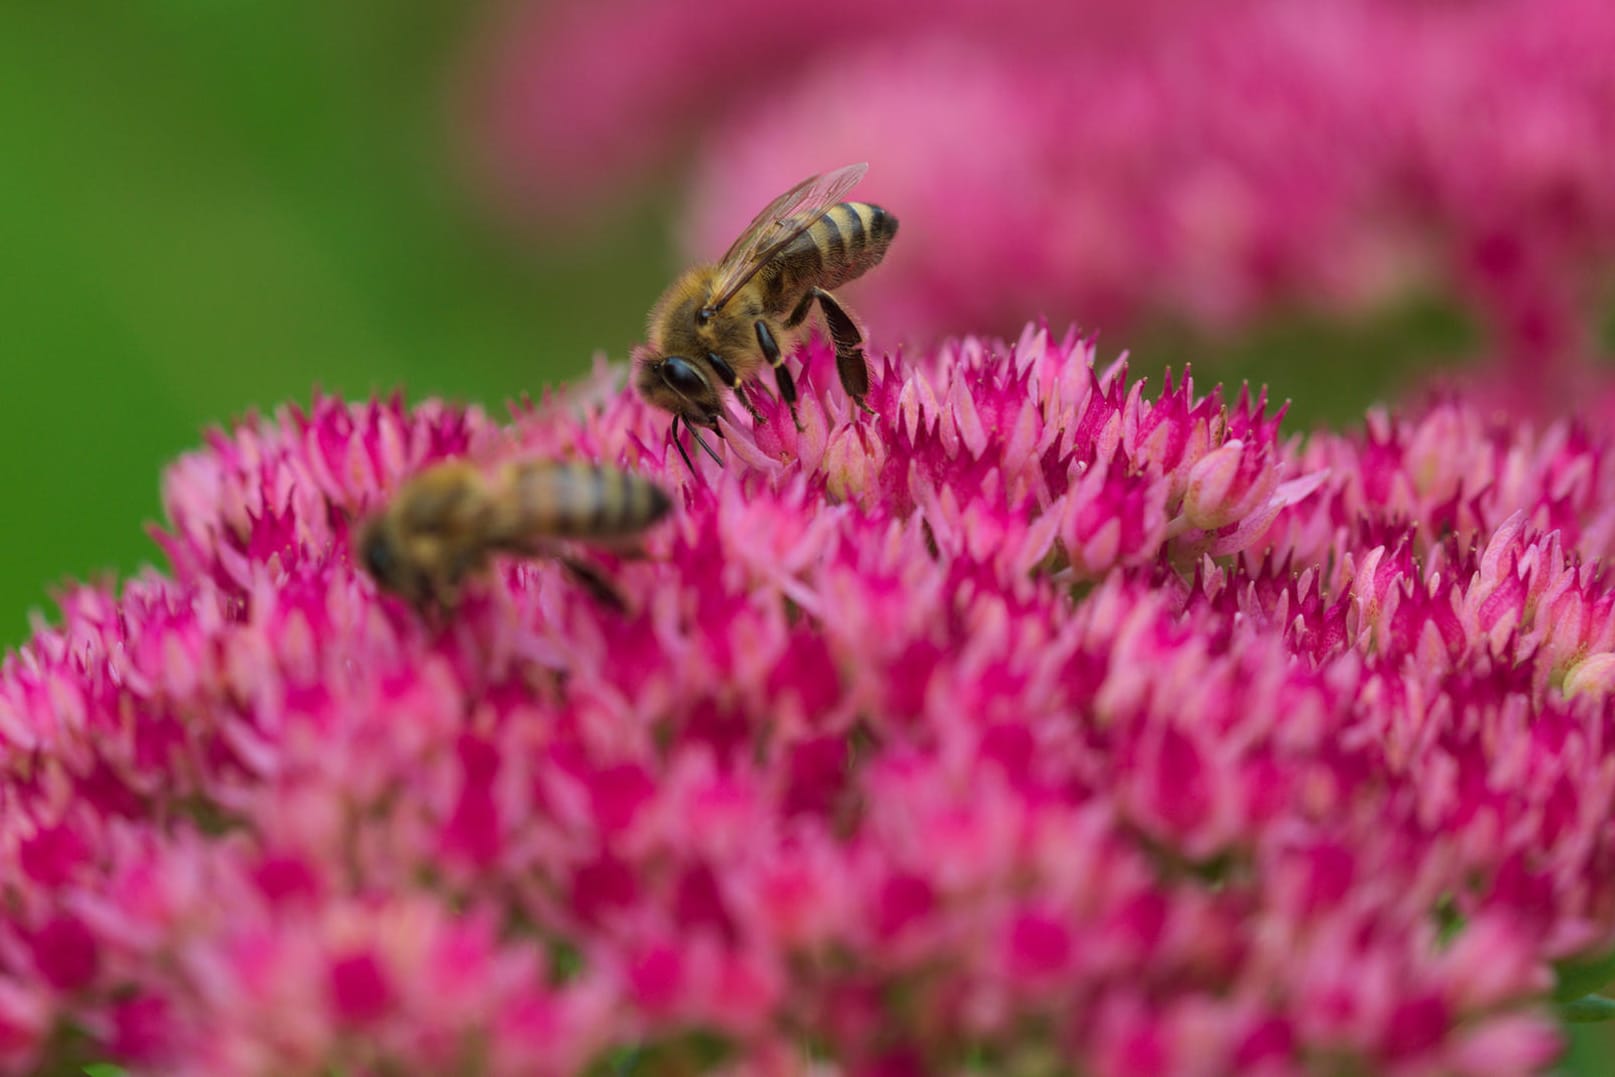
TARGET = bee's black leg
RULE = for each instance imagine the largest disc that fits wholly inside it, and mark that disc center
(782, 374)
(756, 416)
(800, 313)
(849, 343)
(595, 582)
(439, 602)
(679, 445)
(727, 375)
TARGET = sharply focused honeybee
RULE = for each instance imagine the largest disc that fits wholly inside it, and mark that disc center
(717, 324)
(442, 526)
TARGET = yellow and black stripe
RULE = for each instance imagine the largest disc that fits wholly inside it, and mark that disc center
(846, 241)
(574, 499)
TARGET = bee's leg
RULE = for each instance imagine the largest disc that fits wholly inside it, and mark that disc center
(730, 379)
(756, 416)
(594, 581)
(782, 374)
(800, 312)
(436, 617)
(679, 445)
(849, 343)
(439, 600)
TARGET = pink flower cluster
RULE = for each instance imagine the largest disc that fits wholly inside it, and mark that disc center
(1040, 716)
(1211, 162)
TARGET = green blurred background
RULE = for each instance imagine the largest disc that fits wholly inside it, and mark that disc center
(210, 207)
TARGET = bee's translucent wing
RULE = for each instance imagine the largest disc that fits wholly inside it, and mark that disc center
(785, 218)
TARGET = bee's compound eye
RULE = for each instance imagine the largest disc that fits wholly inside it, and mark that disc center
(379, 559)
(682, 377)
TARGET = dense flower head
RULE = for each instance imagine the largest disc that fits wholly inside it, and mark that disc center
(1206, 162)
(1042, 714)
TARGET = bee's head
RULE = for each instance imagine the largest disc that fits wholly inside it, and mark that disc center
(679, 385)
(389, 566)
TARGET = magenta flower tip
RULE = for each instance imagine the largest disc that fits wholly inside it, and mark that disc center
(1036, 717)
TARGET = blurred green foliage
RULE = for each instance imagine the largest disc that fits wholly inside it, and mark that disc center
(210, 207)
(213, 207)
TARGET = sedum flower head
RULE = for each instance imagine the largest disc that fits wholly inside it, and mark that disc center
(1042, 715)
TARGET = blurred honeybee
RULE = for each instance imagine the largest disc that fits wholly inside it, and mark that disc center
(443, 525)
(716, 325)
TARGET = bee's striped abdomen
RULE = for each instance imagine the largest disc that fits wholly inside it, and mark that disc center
(574, 499)
(847, 240)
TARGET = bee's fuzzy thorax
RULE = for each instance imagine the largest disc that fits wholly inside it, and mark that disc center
(678, 304)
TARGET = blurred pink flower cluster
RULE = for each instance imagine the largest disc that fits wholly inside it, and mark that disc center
(1040, 716)
(1209, 162)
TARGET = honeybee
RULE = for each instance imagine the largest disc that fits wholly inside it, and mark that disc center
(716, 325)
(443, 525)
